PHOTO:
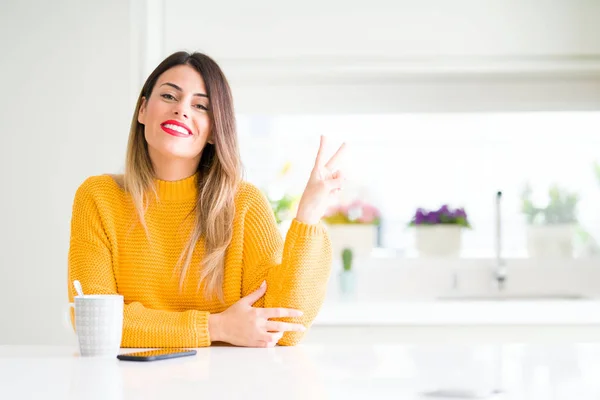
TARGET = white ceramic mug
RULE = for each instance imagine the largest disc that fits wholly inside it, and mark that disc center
(98, 324)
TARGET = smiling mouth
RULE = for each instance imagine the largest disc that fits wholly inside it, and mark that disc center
(175, 130)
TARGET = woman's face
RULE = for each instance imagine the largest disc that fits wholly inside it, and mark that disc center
(175, 117)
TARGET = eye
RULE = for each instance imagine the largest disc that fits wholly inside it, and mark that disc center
(167, 96)
(202, 107)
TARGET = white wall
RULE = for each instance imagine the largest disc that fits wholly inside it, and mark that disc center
(67, 98)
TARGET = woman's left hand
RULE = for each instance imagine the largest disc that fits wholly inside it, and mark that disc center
(325, 180)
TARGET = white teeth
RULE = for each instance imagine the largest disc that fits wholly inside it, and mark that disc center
(176, 128)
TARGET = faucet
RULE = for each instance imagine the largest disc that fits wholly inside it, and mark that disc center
(500, 273)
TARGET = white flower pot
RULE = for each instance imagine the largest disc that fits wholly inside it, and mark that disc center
(438, 240)
(360, 238)
(347, 283)
(550, 241)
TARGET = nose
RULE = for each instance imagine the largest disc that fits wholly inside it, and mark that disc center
(181, 110)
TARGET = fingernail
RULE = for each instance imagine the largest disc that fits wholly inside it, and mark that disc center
(263, 284)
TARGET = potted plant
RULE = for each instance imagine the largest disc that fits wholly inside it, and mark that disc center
(283, 204)
(550, 226)
(347, 277)
(353, 226)
(284, 208)
(439, 232)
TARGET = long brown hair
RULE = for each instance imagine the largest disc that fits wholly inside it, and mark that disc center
(219, 172)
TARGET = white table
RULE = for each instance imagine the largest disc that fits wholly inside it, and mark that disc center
(309, 371)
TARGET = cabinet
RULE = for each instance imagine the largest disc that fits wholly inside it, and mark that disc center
(395, 56)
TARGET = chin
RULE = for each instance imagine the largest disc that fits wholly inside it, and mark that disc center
(176, 152)
(181, 155)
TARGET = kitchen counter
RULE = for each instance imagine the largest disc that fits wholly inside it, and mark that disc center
(408, 292)
(311, 371)
(460, 312)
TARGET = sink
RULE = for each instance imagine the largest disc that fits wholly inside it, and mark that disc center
(513, 297)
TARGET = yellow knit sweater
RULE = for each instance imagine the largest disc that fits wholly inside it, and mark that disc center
(109, 254)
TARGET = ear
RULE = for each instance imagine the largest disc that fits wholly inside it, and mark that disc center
(142, 113)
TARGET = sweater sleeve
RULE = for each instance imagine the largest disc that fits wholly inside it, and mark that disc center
(90, 262)
(296, 270)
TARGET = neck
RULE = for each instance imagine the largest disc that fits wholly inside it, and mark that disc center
(172, 168)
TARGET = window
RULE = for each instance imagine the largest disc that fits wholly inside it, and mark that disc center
(404, 161)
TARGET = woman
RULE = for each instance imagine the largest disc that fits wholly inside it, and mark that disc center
(194, 250)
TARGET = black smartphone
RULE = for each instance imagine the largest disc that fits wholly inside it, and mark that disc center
(154, 355)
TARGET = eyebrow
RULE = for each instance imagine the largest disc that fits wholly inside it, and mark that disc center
(174, 86)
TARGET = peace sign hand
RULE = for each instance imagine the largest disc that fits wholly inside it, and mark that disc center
(325, 180)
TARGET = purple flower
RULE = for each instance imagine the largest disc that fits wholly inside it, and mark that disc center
(433, 217)
(420, 216)
(444, 215)
(460, 212)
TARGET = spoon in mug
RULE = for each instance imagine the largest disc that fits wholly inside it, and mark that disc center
(78, 288)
